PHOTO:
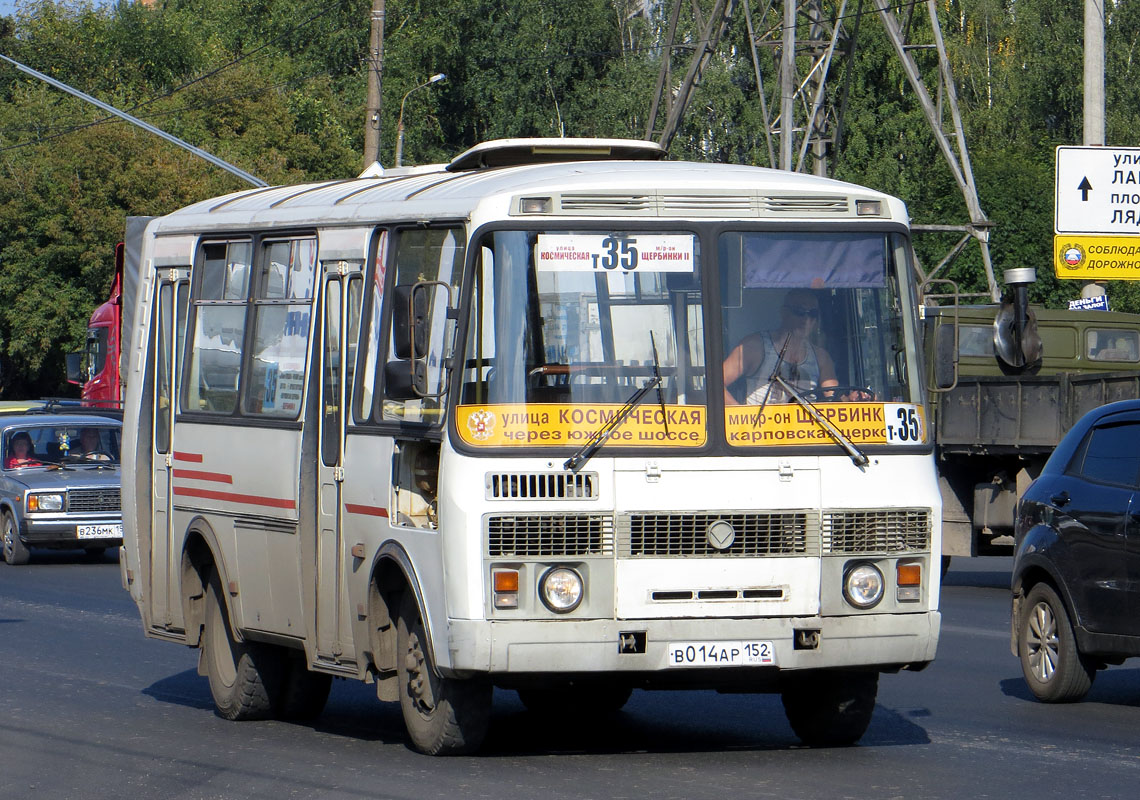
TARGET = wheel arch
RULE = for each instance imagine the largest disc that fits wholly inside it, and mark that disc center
(392, 575)
(200, 558)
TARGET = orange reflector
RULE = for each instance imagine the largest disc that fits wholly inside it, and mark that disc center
(506, 581)
(909, 574)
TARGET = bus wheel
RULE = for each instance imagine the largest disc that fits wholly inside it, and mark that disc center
(15, 551)
(305, 693)
(245, 679)
(444, 716)
(580, 700)
(829, 709)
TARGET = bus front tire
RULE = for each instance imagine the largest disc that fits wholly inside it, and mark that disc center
(444, 716)
(830, 709)
(16, 552)
(246, 678)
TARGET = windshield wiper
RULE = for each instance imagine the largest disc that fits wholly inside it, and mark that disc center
(858, 457)
(599, 437)
(660, 394)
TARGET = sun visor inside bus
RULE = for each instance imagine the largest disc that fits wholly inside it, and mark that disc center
(814, 260)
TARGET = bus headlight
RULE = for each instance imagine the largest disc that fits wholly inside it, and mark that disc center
(863, 585)
(561, 589)
(45, 502)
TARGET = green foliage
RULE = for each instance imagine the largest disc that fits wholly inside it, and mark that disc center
(278, 88)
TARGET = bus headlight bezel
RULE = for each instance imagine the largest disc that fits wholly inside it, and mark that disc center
(561, 589)
(863, 585)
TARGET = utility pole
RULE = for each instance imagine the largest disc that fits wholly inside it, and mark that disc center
(1094, 96)
(375, 73)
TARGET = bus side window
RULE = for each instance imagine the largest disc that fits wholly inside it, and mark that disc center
(428, 263)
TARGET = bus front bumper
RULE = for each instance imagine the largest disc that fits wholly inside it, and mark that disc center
(882, 641)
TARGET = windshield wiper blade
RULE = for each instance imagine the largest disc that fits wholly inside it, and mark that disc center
(858, 457)
(660, 394)
(599, 437)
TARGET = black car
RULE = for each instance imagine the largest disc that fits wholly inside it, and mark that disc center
(1076, 570)
(59, 483)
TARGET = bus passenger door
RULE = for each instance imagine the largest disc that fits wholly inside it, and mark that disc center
(340, 324)
(170, 324)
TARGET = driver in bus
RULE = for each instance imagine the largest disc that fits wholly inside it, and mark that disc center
(802, 364)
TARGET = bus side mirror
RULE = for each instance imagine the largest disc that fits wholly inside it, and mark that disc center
(409, 322)
(405, 380)
(74, 368)
(945, 356)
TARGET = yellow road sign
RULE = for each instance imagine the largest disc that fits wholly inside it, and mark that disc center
(1097, 258)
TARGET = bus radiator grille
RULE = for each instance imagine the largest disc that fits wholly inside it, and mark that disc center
(542, 485)
(786, 533)
(105, 499)
(895, 530)
(542, 535)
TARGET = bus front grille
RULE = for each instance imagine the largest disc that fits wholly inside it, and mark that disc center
(522, 535)
(783, 533)
(542, 485)
(895, 530)
(105, 499)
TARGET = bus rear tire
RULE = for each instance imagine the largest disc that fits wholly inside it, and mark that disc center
(444, 716)
(830, 709)
(246, 679)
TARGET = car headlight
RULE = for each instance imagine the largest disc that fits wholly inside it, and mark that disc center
(45, 502)
(863, 585)
(561, 589)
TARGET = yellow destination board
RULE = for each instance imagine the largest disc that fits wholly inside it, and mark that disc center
(791, 424)
(1111, 258)
(555, 424)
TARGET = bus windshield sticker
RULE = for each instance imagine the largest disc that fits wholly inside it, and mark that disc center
(789, 424)
(581, 252)
(562, 424)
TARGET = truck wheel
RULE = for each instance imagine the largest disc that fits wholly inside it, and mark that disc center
(830, 709)
(15, 551)
(444, 716)
(305, 693)
(1054, 668)
(575, 699)
(246, 679)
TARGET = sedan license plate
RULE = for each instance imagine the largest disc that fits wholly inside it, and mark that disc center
(721, 654)
(99, 531)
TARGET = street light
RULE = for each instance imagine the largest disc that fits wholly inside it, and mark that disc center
(439, 76)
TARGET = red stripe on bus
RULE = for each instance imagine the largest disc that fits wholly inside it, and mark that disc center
(371, 511)
(235, 497)
(194, 457)
(199, 475)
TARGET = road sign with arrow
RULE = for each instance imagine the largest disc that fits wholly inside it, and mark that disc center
(1097, 213)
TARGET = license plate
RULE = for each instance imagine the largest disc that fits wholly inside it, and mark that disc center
(721, 654)
(99, 531)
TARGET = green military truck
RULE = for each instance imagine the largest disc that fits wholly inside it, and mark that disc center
(1007, 385)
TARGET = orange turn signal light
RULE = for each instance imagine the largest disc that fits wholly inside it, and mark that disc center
(506, 581)
(908, 574)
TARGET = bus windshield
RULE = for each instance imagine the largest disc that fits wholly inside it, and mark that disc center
(566, 326)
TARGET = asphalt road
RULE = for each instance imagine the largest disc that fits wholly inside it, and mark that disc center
(91, 709)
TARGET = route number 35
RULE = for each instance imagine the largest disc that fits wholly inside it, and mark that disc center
(619, 251)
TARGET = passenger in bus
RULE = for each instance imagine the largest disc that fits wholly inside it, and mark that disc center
(20, 452)
(90, 446)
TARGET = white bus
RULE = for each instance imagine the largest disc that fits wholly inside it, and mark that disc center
(466, 426)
